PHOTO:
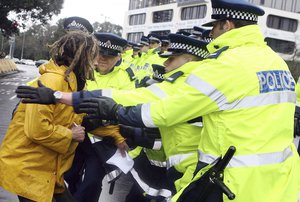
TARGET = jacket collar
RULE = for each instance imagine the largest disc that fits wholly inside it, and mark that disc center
(249, 34)
(52, 67)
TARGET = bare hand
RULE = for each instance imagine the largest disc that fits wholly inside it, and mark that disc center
(123, 148)
(78, 133)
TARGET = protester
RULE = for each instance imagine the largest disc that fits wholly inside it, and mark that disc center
(40, 142)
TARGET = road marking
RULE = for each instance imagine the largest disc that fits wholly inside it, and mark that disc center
(13, 97)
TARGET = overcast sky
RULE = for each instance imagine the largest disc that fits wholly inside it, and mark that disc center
(95, 10)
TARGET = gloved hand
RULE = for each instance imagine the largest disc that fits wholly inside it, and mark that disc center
(132, 132)
(91, 124)
(99, 108)
(40, 95)
(144, 137)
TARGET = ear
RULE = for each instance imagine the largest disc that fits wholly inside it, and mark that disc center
(229, 25)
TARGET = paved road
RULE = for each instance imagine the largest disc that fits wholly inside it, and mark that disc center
(8, 101)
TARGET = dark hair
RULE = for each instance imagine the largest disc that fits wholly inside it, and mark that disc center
(242, 23)
(76, 50)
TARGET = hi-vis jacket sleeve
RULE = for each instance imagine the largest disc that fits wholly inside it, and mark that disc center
(168, 111)
(198, 96)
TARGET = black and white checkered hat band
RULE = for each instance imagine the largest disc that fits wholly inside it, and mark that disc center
(194, 50)
(235, 14)
(75, 25)
(111, 46)
(158, 75)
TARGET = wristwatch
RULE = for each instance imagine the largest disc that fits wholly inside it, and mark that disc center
(57, 95)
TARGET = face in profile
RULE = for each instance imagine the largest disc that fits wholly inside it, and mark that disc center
(105, 63)
(174, 62)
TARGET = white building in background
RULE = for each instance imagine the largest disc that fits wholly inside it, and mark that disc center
(280, 24)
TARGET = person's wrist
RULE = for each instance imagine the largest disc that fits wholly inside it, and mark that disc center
(57, 96)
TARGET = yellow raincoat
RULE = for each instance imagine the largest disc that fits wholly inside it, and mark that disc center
(38, 146)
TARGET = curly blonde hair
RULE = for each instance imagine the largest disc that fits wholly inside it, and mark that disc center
(77, 51)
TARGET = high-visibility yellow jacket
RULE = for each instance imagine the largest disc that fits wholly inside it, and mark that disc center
(117, 79)
(246, 95)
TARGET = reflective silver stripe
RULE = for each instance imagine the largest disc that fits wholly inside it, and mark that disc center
(199, 124)
(95, 139)
(161, 164)
(176, 159)
(157, 91)
(107, 93)
(250, 159)
(146, 116)
(113, 175)
(149, 190)
(247, 102)
(157, 144)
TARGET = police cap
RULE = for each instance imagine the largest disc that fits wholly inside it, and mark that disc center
(110, 44)
(165, 40)
(181, 44)
(197, 31)
(154, 37)
(144, 41)
(78, 23)
(234, 9)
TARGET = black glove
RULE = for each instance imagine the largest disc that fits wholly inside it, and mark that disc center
(99, 108)
(131, 132)
(144, 137)
(40, 95)
(91, 124)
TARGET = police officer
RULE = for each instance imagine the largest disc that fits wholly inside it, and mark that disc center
(107, 75)
(246, 95)
(180, 141)
(150, 58)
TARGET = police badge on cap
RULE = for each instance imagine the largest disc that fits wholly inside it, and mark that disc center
(234, 9)
(78, 23)
(110, 44)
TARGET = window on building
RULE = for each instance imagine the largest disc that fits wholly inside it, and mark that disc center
(161, 32)
(137, 19)
(162, 16)
(162, 2)
(135, 36)
(282, 23)
(297, 7)
(281, 46)
(136, 4)
(193, 12)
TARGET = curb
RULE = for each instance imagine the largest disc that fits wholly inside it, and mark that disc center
(9, 73)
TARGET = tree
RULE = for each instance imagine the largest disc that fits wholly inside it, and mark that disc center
(108, 27)
(35, 10)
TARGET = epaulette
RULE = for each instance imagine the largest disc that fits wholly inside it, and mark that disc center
(218, 52)
(174, 76)
(156, 50)
(130, 73)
